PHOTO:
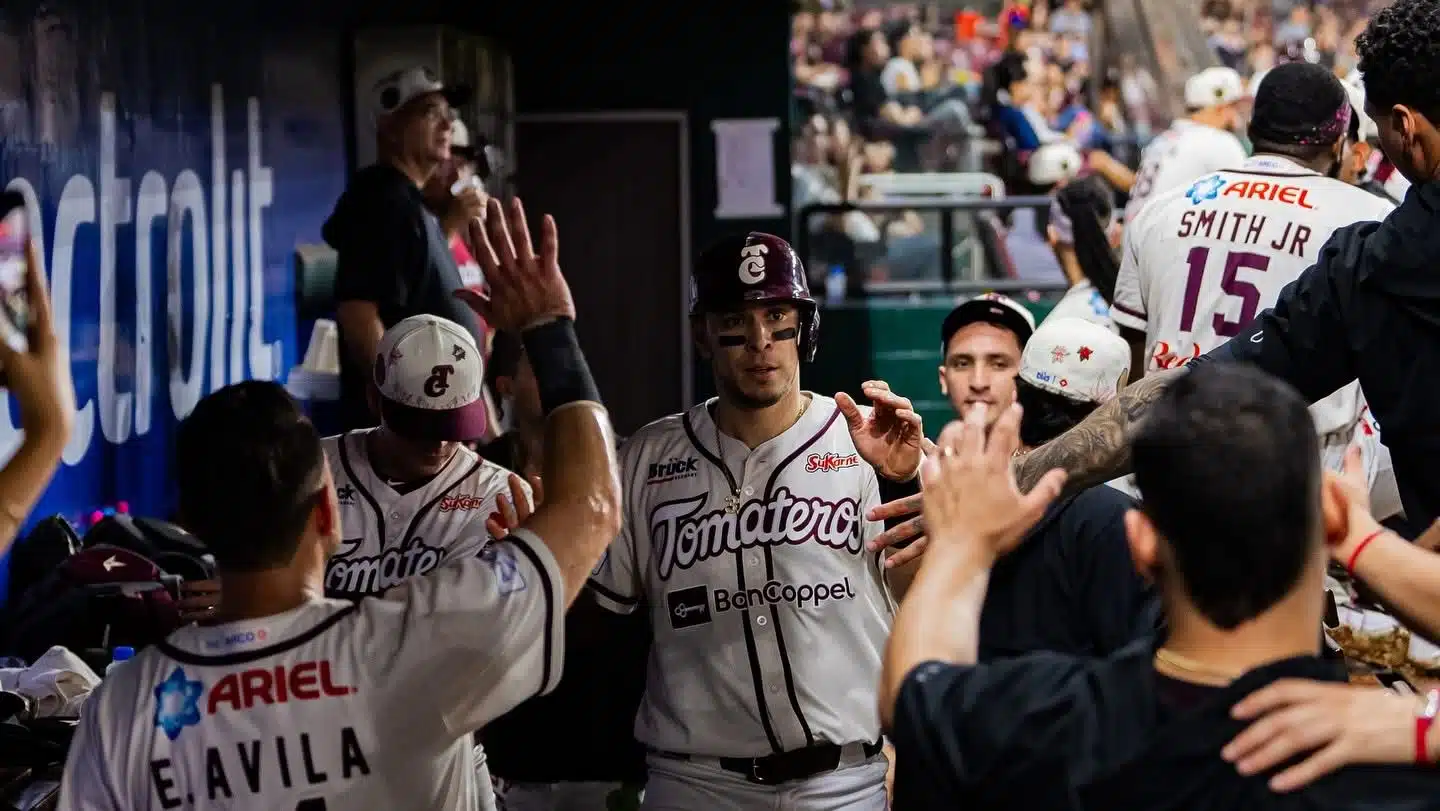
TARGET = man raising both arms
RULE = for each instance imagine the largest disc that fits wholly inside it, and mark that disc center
(294, 701)
(744, 531)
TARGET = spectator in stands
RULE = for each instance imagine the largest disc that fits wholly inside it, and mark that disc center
(1027, 241)
(394, 258)
(456, 194)
(876, 111)
(1071, 18)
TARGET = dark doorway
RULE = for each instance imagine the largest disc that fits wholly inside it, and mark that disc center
(616, 184)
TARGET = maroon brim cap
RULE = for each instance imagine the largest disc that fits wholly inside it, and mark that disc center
(463, 424)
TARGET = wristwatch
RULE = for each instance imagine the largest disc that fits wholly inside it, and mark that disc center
(1423, 720)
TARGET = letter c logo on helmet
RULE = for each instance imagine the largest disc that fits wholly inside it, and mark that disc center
(752, 263)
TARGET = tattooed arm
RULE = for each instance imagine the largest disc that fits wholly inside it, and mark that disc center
(1095, 451)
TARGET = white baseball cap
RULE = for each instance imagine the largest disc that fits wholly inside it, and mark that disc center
(1076, 359)
(431, 379)
(1213, 87)
(395, 90)
(1054, 163)
(1355, 89)
(990, 308)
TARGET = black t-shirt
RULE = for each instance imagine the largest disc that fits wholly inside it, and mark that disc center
(1048, 731)
(1071, 586)
(393, 252)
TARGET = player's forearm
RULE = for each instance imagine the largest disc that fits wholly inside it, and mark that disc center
(1406, 578)
(940, 617)
(581, 512)
(1096, 450)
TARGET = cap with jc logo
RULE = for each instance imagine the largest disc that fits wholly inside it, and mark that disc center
(1076, 359)
(431, 380)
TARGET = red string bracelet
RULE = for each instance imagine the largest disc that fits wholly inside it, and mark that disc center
(1354, 556)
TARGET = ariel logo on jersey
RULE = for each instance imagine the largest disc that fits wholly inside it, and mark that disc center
(672, 470)
(177, 703)
(179, 699)
(829, 462)
(371, 574)
(684, 536)
(1206, 188)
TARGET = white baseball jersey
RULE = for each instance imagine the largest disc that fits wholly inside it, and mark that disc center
(366, 706)
(1200, 262)
(1179, 155)
(389, 536)
(769, 615)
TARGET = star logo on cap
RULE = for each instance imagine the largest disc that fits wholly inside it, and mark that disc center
(1059, 354)
(457, 353)
(1085, 353)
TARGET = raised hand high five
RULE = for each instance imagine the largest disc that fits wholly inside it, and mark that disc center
(526, 288)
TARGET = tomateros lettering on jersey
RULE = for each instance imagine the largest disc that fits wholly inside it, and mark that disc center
(359, 575)
(682, 535)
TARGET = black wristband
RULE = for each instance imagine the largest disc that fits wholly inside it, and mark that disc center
(561, 374)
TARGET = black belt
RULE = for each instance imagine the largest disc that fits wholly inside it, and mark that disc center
(783, 767)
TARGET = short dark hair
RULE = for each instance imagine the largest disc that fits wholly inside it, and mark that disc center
(1047, 415)
(250, 465)
(1227, 461)
(1399, 57)
(1301, 110)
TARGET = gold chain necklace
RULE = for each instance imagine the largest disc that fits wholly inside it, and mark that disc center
(732, 501)
(1186, 669)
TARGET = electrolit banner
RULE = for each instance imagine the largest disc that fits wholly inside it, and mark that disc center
(170, 206)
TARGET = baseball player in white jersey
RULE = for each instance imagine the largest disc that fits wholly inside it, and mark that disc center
(1203, 142)
(411, 495)
(1200, 262)
(295, 701)
(745, 533)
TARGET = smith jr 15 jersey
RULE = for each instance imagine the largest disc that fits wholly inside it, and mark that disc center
(389, 536)
(769, 615)
(365, 706)
(1201, 262)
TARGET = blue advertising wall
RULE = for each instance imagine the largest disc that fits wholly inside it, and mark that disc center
(175, 157)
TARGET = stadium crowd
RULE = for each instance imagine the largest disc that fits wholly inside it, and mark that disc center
(1163, 557)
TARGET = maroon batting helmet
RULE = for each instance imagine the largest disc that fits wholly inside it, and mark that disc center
(750, 268)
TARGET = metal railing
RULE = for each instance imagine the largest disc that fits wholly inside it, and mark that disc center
(983, 239)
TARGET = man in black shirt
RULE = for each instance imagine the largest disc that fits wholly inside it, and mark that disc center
(1236, 515)
(394, 259)
(1070, 586)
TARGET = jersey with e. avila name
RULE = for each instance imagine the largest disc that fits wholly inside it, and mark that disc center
(389, 536)
(365, 705)
(1179, 155)
(769, 614)
(1202, 261)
